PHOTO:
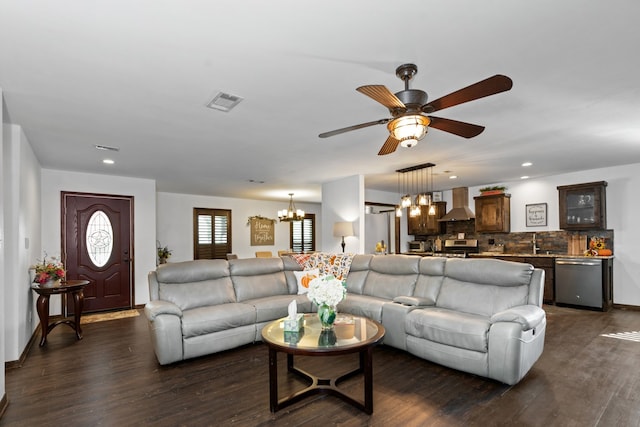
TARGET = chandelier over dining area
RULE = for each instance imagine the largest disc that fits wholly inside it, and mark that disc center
(291, 213)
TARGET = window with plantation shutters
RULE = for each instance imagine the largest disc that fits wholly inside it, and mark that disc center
(211, 233)
(303, 234)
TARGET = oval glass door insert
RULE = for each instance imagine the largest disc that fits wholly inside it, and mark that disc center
(99, 238)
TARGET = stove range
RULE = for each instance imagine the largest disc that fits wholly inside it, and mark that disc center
(458, 248)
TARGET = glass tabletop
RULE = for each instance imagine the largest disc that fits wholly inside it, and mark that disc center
(349, 332)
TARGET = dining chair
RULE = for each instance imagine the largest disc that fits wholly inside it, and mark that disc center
(232, 256)
(264, 254)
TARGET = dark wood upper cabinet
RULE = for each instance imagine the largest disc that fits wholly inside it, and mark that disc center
(425, 224)
(583, 206)
(493, 213)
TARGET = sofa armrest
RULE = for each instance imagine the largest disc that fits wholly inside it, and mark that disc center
(528, 316)
(413, 301)
(158, 307)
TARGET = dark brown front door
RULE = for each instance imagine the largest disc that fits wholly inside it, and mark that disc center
(96, 231)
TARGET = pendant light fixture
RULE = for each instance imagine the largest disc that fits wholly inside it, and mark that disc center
(291, 214)
(419, 185)
(432, 206)
(398, 207)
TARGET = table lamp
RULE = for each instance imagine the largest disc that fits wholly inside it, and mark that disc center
(342, 229)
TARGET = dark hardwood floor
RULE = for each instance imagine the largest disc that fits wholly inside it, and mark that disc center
(111, 378)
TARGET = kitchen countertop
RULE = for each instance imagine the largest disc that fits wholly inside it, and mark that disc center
(515, 255)
(527, 255)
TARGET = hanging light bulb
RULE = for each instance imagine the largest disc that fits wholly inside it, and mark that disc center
(432, 206)
(399, 211)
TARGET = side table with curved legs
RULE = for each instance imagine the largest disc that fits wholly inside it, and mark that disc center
(73, 287)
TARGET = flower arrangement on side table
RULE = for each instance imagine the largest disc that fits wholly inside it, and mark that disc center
(326, 292)
(49, 271)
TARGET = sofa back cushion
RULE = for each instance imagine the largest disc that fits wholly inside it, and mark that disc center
(392, 276)
(484, 286)
(358, 273)
(192, 284)
(430, 279)
(258, 277)
(291, 265)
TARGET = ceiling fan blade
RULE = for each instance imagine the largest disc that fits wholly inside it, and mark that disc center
(389, 146)
(381, 94)
(486, 87)
(354, 127)
(466, 130)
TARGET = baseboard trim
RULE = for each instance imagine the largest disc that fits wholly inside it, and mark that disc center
(4, 403)
(627, 307)
(18, 363)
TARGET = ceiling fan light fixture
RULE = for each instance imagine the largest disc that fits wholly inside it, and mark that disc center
(409, 129)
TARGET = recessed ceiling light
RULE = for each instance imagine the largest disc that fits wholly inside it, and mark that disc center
(453, 177)
(108, 162)
(524, 177)
(526, 164)
(256, 181)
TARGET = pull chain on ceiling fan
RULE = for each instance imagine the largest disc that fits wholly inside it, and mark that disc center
(409, 109)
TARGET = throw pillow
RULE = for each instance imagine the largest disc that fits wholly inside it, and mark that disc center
(304, 278)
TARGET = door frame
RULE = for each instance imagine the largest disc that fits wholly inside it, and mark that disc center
(63, 238)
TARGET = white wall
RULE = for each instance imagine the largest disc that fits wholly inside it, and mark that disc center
(2, 251)
(343, 200)
(175, 222)
(22, 238)
(144, 225)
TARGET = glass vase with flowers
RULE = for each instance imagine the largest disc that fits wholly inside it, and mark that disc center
(326, 292)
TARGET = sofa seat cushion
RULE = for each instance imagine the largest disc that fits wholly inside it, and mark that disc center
(363, 305)
(215, 318)
(449, 327)
(275, 307)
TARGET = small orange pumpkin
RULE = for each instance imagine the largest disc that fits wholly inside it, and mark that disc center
(306, 279)
(605, 252)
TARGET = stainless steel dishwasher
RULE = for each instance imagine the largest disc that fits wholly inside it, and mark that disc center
(579, 281)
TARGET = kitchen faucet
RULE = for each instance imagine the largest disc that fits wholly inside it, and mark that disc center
(535, 248)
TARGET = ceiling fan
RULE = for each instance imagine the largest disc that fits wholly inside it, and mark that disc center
(409, 108)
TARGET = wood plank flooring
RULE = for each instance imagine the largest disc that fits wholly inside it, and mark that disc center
(111, 378)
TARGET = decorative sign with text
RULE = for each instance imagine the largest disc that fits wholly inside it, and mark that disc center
(536, 214)
(262, 231)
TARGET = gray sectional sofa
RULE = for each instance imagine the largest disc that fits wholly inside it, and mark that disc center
(482, 316)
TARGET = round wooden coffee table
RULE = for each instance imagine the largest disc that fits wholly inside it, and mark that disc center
(359, 336)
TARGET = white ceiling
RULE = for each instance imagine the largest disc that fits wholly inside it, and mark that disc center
(137, 74)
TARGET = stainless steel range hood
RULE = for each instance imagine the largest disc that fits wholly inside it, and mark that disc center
(460, 210)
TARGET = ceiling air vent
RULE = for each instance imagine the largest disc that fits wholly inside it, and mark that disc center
(106, 148)
(224, 102)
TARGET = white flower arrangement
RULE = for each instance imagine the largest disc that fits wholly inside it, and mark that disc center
(327, 290)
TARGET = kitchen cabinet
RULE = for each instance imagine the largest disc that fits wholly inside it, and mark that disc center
(545, 263)
(425, 224)
(583, 206)
(493, 213)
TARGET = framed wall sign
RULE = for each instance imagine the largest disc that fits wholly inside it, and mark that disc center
(262, 231)
(536, 214)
